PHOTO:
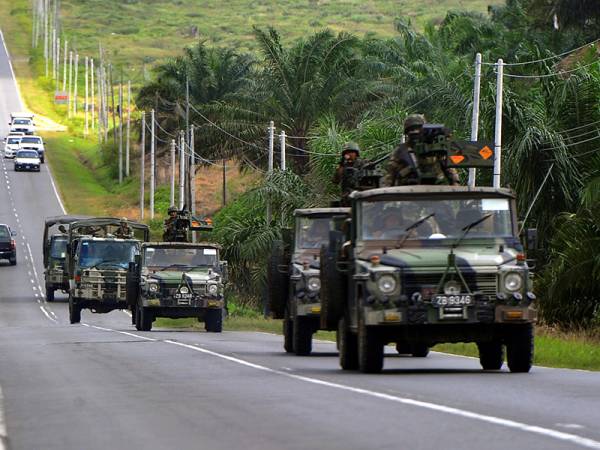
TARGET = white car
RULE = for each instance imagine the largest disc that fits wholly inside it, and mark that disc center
(33, 143)
(11, 146)
(27, 160)
(22, 122)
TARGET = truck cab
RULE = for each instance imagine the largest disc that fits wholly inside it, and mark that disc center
(22, 122)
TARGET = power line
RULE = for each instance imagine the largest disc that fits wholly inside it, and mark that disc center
(554, 74)
(544, 59)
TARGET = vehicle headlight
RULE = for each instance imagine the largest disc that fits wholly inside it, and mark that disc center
(313, 284)
(387, 284)
(213, 289)
(184, 290)
(153, 287)
(513, 281)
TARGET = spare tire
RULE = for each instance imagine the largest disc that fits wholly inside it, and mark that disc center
(278, 280)
(333, 287)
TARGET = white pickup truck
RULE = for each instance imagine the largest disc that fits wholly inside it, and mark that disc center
(33, 143)
(22, 122)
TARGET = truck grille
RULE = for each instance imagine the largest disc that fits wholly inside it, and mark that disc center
(105, 284)
(485, 283)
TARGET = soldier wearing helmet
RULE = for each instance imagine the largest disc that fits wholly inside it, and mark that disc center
(347, 171)
(406, 167)
(170, 225)
(124, 231)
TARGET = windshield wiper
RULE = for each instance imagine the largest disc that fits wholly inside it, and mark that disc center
(411, 227)
(472, 225)
(174, 265)
(115, 262)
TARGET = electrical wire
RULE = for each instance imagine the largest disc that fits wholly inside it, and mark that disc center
(554, 74)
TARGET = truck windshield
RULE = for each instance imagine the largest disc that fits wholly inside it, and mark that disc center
(188, 257)
(58, 248)
(32, 154)
(388, 220)
(13, 141)
(4, 233)
(107, 253)
(314, 232)
(31, 140)
(21, 121)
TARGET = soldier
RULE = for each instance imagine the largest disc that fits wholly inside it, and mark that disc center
(406, 167)
(124, 231)
(169, 230)
(346, 172)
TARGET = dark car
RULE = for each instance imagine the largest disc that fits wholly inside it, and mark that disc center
(8, 247)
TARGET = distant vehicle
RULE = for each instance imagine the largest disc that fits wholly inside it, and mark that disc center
(22, 122)
(8, 247)
(13, 134)
(33, 143)
(11, 146)
(27, 160)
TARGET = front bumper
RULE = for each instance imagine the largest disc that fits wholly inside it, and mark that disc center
(308, 309)
(171, 303)
(30, 167)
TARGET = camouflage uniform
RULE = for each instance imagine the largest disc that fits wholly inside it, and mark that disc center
(169, 231)
(124, 231)
(406, 167)
(346, 174)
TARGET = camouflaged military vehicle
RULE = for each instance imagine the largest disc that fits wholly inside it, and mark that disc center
(294, 282)
(421, 265)
(176, 280)
(55, 241)
(97, 264)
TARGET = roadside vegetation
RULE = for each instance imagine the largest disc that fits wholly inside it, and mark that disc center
(326, 82)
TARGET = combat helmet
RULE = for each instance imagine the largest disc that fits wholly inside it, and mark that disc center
(351, 147)
(172, 209)
(413, 121)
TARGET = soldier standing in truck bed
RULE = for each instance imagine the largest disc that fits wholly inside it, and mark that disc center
(406, 167)
(347, 170)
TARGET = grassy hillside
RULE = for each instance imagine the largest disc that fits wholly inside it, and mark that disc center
(139, 32)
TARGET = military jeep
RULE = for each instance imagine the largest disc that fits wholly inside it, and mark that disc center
(55, 241)
(294, 282)
(177, 280)
(97, 264)
(421, 265)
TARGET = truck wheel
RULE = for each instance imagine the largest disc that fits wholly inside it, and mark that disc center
(370, 350)
(278, 283)
(132, 311)
(519, 348)
(145, 319)
(74, 311)
(333, 290)
(13, 261)
(288, 334)
(491, 355)
(419, 351)
(49, 293)
(302, 335)
(138, 317)
(213, 321)
(348, 346)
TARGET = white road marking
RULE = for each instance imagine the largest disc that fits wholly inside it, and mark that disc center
(47, 314)
(507, 423)
(3, 435)
(11, 70)
(572, 426)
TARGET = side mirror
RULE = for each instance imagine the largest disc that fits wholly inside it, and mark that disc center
(13, 233)
(224, 271)
(132, 267)
(531, 238)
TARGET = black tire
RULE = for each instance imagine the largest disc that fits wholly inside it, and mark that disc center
(138, 320)
(74, 311)
(49, 293)
(288, 335)
(491, 355)
(302, 336)
(419, 351)
(278, 283)
(333, 289)
(133, 315)
(348, 346)
(370, 349)
(146, 318)
(213, 321)
(42, 160)
(519, 348)
(13, 261)
(403, 348)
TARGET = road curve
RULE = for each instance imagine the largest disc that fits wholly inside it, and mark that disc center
(102, 385)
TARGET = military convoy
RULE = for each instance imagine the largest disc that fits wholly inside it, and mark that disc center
(294, 280)
(176, 280)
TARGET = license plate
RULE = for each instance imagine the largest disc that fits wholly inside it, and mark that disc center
(452, 300)
(180, 296)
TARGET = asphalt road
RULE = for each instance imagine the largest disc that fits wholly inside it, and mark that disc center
(101, 384)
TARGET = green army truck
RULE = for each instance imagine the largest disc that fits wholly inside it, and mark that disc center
(177, 280)
(97, 264)
(421, 265)
(294, 283)
(55, 240)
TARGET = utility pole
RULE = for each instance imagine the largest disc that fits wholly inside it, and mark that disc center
(70, 83)
(75, 85)
(172, 196)
(120, 132)
(85, 107)
(100, 99)
(142, 165)
(192, 172)
(181, 169)
(93, 99)
(270, 166)
(475, 118)
(128, 128)
(46, 43)
(53, 53)
(114, 111)
(282, 147)
(65, 67)
(152, 164)
(57, 63)
(498, 128)
(225, 184)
